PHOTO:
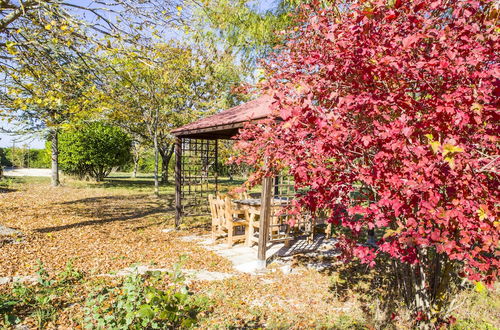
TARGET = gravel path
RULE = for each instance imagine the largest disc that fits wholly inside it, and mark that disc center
(27, 172)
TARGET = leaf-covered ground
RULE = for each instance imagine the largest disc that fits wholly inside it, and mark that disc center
(97, 229)
(101, 228)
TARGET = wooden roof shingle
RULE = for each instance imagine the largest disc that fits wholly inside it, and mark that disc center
(227, 123)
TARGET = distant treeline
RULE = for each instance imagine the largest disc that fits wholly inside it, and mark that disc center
(23, 157)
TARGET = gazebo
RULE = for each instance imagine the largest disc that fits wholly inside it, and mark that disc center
(196, 153)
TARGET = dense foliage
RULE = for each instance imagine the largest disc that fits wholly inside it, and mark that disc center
(390, 113)
(93, 149)
(24, 157)
(139, 304)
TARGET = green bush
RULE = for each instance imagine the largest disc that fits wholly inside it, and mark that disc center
(93, 149)
(4, 160)
(39, 158)
(138, 304)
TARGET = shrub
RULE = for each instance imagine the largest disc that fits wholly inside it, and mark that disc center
(138, 304)
(389, 113)
(93, 149)
(24, 157)
(4, 159)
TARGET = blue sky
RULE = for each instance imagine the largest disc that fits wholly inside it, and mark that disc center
(7, 140)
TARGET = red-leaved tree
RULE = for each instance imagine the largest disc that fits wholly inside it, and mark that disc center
(389, 111)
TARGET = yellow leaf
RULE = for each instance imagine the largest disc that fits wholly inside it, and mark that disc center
(479, 287)
(450, 161)
(435, 146)
(48, 27)
(429, 136)
(482, 213)
(476, 107)
(388, 233)
(450, 149)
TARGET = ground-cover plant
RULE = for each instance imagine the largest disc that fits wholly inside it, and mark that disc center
(138, 303)
(40, 301)
(389, 114)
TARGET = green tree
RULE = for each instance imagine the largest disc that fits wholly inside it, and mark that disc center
(175, 85)
(99, 23)
(93, 149)
(49, 52)
(247, 29)
(45, 91)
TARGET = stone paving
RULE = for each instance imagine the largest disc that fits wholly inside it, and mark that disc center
(321, 251)
(6, 231)
(191, 274)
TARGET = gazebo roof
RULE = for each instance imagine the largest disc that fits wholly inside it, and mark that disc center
(227, 123)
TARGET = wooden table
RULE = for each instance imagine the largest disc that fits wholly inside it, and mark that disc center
(252, 206)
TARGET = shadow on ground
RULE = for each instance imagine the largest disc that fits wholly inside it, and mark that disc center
(7, 190)
(109, 209)
(127, 183)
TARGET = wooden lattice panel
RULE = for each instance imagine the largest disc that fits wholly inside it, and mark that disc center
(198, 175)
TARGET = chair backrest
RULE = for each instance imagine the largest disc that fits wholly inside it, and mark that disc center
(228, 209)
(244, 195)
(213, 208)
(220, 206)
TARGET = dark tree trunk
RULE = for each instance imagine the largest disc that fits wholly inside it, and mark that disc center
(55, 158)
(166, 156)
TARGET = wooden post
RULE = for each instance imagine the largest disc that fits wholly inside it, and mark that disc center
(265, 217)
(216, 166)
(178, 181)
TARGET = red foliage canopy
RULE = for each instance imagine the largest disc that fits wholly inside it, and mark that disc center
(392, 112)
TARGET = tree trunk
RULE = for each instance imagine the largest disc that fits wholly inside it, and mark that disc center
(166, 156)
(136, 166)
(155, 141)
(428, 287)
(136, 155)
(55, 158)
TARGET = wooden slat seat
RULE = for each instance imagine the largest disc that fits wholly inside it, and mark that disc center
(226, 220)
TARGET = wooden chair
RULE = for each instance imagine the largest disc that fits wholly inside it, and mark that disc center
(226, 218)
(244, 195)
(217, 217)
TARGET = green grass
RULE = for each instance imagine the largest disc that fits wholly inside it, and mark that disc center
(15, 182)
(143, 183)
